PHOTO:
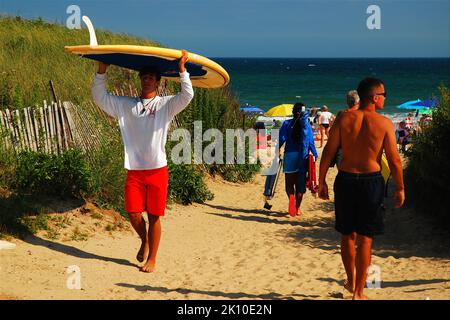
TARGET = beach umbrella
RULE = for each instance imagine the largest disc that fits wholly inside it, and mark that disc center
(409, 105)
(282, 110)
(251, 109)
(424, 104)
(248, 109)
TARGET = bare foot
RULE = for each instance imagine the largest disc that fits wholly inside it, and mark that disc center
(143, 252)
(360, 297)
(149, 266)
(299, 213)
(349, 287)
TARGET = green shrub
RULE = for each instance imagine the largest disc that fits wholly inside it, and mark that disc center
(7, 168)
(219, 109)
(108, 177)
(186, 184)
(36, 223)
(65, 175)
(428, 171)
(240, 172)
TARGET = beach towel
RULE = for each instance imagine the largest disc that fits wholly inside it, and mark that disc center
(311, 182)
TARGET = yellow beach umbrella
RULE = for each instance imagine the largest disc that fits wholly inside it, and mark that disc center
(282, 110)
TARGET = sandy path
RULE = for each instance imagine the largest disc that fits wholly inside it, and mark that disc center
(230, 248)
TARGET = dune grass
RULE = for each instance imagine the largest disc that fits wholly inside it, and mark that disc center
(32, 54)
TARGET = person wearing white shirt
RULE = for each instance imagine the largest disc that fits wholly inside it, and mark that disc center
(326, 119)
(144, 123)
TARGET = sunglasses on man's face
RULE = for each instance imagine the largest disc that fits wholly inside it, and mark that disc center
(384, 94)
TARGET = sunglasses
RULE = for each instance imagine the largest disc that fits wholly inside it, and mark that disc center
(384, 94)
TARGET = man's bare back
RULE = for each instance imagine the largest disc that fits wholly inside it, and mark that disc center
(362, 134)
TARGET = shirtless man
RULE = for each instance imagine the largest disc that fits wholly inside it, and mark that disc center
(352, 102)
(362, 134)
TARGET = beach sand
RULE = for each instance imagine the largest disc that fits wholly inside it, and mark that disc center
(228, 248)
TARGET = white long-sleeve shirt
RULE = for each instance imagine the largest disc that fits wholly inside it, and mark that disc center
(144, 130)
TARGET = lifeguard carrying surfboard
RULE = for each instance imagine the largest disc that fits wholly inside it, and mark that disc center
(204, 73)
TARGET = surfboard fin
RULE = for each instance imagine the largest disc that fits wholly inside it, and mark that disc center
(90, 26)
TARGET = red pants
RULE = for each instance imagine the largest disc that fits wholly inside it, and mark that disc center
(146, 190)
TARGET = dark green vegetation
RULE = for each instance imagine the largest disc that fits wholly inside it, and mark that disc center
(428, 171)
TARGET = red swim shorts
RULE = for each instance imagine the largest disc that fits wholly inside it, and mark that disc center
(146, 190)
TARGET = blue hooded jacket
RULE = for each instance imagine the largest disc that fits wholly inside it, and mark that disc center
(305, 143)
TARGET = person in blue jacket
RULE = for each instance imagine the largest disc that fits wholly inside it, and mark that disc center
(298, 136)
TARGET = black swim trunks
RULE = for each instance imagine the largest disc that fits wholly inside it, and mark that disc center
(325, 125)
(358, 201)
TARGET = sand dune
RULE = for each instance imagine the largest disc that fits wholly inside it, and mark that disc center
(228, 248)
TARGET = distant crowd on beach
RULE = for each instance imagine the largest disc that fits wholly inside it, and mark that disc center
(321, 121)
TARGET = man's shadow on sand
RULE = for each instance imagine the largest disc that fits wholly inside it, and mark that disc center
(263, 216)
(75, 252)
(218, 294)
(19, 206)
(397, 284)
(400, 239)
(248, 211)
(288, 221)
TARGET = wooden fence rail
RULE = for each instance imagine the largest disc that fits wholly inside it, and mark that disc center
(43, 129)
(52, 128)
(58, 126)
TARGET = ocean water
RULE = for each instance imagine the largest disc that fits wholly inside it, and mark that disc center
(266, 82)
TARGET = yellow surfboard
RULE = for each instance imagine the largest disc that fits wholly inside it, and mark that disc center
(385, 171)
(204, 73)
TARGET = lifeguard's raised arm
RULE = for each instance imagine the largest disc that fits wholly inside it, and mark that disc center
(178, 102)
(107, 102)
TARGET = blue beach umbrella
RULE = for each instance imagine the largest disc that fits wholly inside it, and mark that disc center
(251, 109)
(418, 104)
(425, 104)
(409, 105)
(248, 109)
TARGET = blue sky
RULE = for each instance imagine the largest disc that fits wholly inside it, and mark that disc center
(266, 28)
